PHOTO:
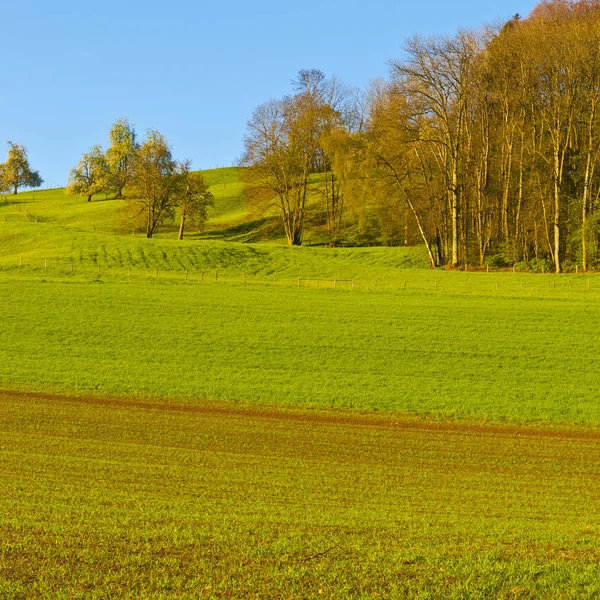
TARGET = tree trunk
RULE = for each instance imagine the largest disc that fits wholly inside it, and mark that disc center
(296, 237)
(149, 222)
(454, 202)
(181, 225)
(589, 170)
(454, 217)
(90, 197)
(520, 190)
(557, 212)
(15, 188)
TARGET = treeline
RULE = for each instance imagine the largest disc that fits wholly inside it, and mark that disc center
(156, 186)
(485, 145)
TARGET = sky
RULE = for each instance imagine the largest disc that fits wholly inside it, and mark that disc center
(193, 70)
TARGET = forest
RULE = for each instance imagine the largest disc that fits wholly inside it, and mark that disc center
(484, 145)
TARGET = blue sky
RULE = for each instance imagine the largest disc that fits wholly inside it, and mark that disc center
(193, 70)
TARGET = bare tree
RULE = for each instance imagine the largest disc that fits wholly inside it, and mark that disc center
(435, 76)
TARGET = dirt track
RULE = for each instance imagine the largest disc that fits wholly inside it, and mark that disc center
(397, 421)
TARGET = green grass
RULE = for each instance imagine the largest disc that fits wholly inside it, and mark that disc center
(104, 214)
(463, 354)
(228, 424)
(113, 499)
(94, 310)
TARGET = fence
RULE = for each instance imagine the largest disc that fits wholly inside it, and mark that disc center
(431, 282)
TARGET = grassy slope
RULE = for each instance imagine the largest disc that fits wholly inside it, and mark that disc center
(497, 346)
(64, 231)
(112, 499)
(117, 500)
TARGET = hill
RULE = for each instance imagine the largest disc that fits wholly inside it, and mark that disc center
(65, 232)
(223, 418)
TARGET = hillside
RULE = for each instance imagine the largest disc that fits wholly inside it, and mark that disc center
(222, 418)
(64, 233)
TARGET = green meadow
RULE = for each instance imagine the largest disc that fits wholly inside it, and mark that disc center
(447, 354)
(228, 417)
(108, 498)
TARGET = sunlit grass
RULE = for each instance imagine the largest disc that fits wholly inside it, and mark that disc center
(107, 499)
(461, 354)
(252, 420)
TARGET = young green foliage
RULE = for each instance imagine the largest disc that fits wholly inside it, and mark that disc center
(195, 198)
(16, 171)
(154, 183)
(120, 155)
(91, 174)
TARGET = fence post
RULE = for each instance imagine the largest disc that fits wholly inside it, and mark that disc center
(202, 277)
(157, 272)
(186, 274)
(334, 282)
(46, 263)
(298, 281)
(216, 275)
(128, 271)
(353, 284)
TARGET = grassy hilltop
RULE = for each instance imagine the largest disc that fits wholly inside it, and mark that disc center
(228, 417)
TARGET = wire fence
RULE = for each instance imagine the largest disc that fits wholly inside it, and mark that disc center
(433, 282)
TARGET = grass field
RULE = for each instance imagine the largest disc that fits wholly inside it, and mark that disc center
(218, 419)
(460, 354)
(106, 498)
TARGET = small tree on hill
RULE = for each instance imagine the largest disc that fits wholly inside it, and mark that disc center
(120, 155)
(16, 172)
(91, 174)
(195, 197)
(155, 182)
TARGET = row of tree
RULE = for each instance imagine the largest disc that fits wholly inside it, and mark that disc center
(157, 186)
(483, 144)
(16, 172)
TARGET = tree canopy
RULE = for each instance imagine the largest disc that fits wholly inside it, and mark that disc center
(16, 171)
